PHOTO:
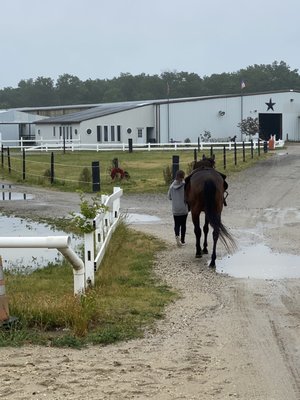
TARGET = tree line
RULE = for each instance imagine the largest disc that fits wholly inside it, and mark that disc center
(69, 89)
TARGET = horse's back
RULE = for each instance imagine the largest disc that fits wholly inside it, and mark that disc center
(201, 177)
(205, 185)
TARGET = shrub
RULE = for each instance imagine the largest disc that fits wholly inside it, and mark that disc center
(168, 176)
(85, 179)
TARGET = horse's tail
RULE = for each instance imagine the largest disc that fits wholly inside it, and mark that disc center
(214, 218)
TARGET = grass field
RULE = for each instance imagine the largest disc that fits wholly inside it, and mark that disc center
(72, 170)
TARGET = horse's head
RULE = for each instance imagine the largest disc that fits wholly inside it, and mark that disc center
(206, 162)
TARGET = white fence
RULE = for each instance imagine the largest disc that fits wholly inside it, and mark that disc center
(76, 145)
(61, 243)
(95, 243)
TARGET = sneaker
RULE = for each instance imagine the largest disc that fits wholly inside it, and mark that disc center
(178, 241)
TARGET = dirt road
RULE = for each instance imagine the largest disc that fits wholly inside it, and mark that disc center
(226, 338)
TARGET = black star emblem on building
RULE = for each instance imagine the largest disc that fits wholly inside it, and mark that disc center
(270, 105)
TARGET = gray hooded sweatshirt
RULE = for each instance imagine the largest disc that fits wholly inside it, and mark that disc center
(176, 194)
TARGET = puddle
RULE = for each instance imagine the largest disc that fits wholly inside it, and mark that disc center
(6, 193)
(30, 258)
(260, 262)
(142, 219)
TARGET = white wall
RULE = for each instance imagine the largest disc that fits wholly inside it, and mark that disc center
(191, 118)
(138, 118)
(10, 132)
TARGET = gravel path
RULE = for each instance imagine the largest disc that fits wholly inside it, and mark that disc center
(225, 338)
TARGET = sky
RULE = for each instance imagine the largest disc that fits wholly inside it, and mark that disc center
(100, 39)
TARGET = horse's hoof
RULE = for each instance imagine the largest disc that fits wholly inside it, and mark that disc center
(198, 255)
(205, 251)
(212, 265)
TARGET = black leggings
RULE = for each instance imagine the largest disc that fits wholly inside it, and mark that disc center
(180, 226)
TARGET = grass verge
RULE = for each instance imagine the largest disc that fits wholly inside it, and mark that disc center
(127, 297)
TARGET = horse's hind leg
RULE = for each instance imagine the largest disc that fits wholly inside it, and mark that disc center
(213, 254)
(197, 231)
(205, 231)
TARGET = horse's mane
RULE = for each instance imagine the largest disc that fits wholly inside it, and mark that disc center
(206, 162)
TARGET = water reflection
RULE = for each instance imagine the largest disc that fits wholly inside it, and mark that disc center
(133, 218)
(30, 258)
(6, 193)
(261, 263)
(15, 196)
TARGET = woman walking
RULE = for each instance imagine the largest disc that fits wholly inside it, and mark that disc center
(179, 207)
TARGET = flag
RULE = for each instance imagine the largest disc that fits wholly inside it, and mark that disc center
(243, 85)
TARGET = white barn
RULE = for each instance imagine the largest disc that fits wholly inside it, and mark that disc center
(162, 121)
(15, 125)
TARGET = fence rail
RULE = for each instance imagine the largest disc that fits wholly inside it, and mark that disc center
(76, 145)
(96, 242)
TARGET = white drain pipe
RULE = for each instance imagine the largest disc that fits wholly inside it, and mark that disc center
(61, 243)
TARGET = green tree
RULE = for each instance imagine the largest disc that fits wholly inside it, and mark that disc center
(249, 126)
(70, 89)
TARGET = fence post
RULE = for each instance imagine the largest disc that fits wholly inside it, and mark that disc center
(175, 165)
(23, 164)
(258, 147)
(8, 160)
(198, 144)
(265, 146)
(52, 168)
(2, 156)
(130, 145)
(89, 257)
(95, 176)
(195, 155)
(235, 155)
(251, 148)
(64, 140)
(244, 156)
(211, 151)
(224, 157)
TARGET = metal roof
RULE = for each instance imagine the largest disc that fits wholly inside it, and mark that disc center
(111, 108)
(95, 112)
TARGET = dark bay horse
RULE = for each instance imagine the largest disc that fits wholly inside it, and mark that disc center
(204, 192)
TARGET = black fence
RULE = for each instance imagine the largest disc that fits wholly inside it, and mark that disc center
(95, 167)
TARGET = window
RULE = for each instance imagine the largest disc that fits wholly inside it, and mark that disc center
(54, 133)
(140, 132)
(60, 132)
(105, 133)
(75, 131)
(99, 133)
(112, 133)
(119, 133)
(129, 130)
(89, 131)
(71, 136)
